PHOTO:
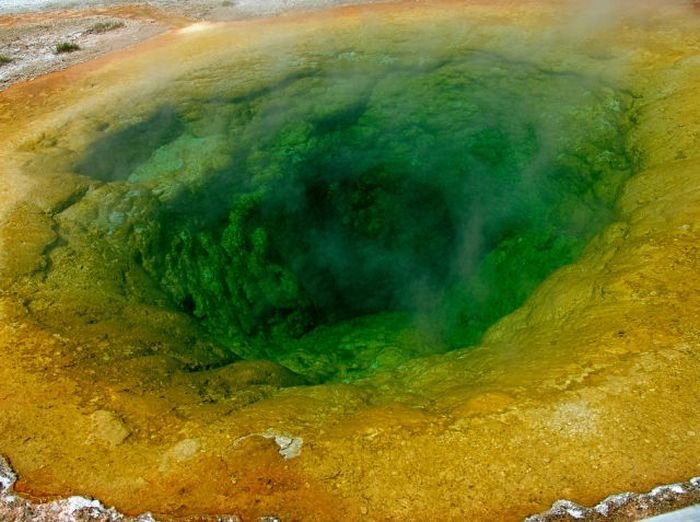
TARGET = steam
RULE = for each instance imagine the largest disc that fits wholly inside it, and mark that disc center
(416, 176)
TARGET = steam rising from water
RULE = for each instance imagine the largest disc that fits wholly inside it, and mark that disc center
(395, 188)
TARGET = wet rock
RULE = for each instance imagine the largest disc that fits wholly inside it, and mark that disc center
(31, 232)
(288, 446)
(246, 373)
(71, 509)
(108, 428)
(181, 452)
(626, 506)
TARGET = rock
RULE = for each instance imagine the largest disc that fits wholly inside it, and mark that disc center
(181, 452)
(7, 476)
(290, 447)
(108, 428)
(627, 506)
(184, 450)
(71, 509)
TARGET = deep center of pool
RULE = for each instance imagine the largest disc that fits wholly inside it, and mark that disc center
(366, 209)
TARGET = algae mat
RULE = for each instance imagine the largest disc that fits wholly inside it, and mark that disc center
(506, 312)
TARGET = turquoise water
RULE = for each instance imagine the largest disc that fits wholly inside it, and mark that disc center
(367, 209)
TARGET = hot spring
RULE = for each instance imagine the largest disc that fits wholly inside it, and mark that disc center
(391, 261)
(362, 208)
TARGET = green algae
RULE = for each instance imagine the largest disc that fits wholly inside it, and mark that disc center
(363, 211)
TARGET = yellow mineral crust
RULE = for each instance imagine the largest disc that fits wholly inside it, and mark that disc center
(588, 389)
